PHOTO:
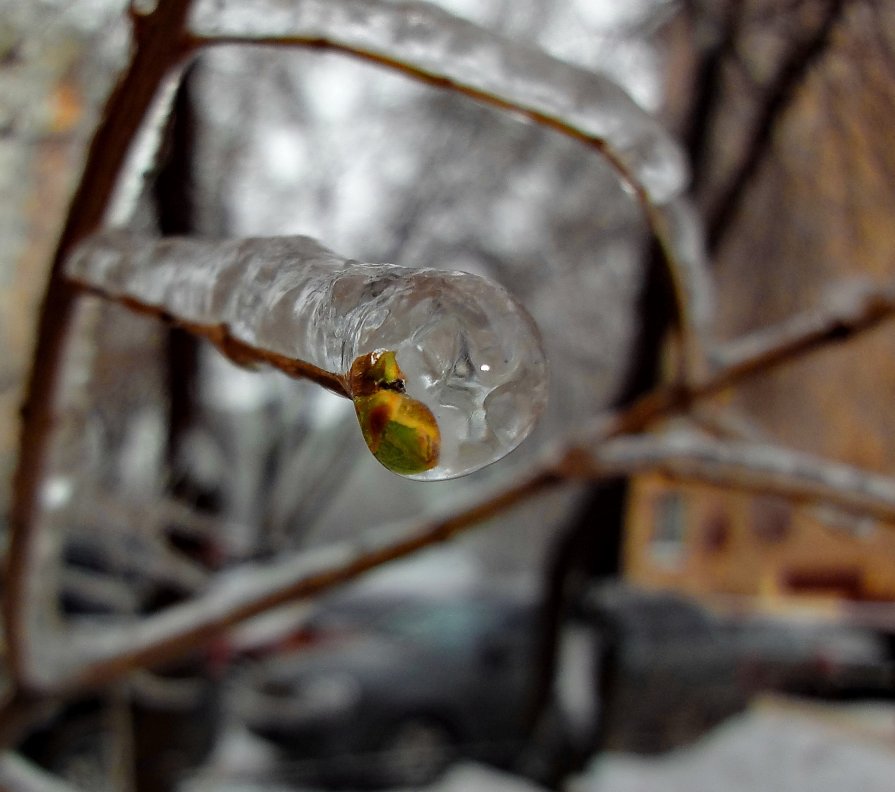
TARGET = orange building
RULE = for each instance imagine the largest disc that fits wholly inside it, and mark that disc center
(732, 546)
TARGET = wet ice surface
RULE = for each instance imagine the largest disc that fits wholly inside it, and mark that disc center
(470, 353)
(469, 350)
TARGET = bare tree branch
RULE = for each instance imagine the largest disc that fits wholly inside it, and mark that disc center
(160, 47)
(577, 103)
(846, 314)
(849, 309)
(251, 590)
(789, 77)
(685, 455)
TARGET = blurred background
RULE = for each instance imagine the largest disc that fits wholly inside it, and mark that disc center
(626, 635)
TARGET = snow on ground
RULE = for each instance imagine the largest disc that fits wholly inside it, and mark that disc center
(469, 777)
(770, 748)
(776, 746)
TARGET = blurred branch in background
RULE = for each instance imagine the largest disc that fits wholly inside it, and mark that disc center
(170, 577)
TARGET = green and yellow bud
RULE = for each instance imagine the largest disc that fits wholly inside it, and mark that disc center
(401, 432)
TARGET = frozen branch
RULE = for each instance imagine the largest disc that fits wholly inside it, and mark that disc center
(682, 240)
(87, 658)
(849, 309)
(433, 46)
(253, 589)
(119, 529)
(754, 467)
(160, 48)
(98, 590)
(727, 423)
(436, 46)
(466, 349)
(847, 314)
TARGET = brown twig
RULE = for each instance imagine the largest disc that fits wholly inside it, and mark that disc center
(182, 628)
(841, 319)
(685, 284)
(792, 72)
(237, 351)
(160, 46)
(850, 309)
(750, 467)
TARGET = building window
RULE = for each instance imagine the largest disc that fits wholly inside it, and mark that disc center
(771, 519)
(716, 533)
(669, 531)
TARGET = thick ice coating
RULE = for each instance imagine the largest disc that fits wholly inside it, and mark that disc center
(467, 350)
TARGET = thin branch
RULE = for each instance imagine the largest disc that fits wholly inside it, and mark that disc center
(846, 314)
(752, 467)
(100, 590)
(374, 46)
(727, 423)
(237, 351)
(251, 590)
(850, 309)
(789, 78)
(160, 47)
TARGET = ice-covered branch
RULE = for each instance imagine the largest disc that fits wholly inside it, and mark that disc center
(849, 309)
(91, 657)
(458, 345)
(431, 45)
(159, 50)
(755, 467)
(845, 315)
(253, 589)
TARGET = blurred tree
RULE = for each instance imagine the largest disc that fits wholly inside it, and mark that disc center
(185, 467)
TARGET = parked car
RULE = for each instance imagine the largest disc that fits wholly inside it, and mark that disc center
(671, 669)
(395, 700)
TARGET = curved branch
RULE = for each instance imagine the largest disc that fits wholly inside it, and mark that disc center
(434, 47)
(161, 46)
